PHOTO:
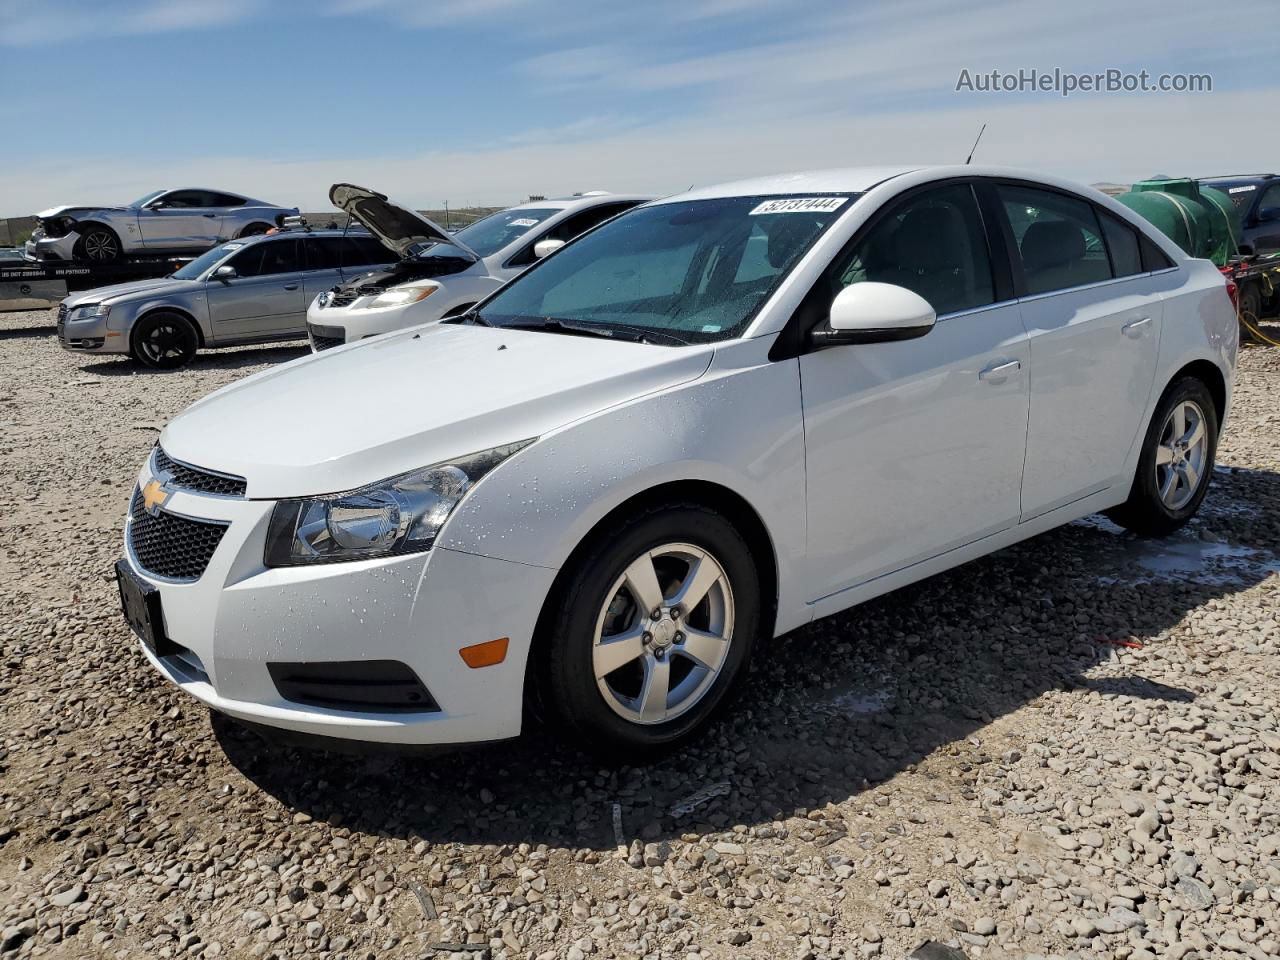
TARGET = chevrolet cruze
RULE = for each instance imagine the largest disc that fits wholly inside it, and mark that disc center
(703, 424)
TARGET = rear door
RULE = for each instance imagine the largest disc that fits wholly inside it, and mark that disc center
(1093, 315)
(265, 299)
(323, 258)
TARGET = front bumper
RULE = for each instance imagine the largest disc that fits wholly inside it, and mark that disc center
(91, 336)
(52, 248)
(420, 610)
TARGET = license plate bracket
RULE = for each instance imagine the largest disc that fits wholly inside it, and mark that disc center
(140, 603)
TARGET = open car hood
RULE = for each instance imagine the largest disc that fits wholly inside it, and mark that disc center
(397, 227)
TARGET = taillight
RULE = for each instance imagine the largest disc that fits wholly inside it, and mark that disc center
(1233, 292)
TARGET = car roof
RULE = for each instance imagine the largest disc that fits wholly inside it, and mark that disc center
(583, 200)
(301, 232)
(863, 179)
(1238, 178)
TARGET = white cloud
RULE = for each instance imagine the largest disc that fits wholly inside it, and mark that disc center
(23, 23)
(1114, 138)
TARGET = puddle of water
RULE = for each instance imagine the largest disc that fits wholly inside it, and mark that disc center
(859, 702)
(1184, 556)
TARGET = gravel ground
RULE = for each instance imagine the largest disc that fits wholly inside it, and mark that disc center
(979, 759)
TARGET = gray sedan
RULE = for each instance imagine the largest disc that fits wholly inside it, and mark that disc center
(187, 220)
(254, 290)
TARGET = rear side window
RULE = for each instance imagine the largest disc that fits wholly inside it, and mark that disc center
(1058, 238)
(367, 250)
(932, 243)
(1122, 244)
(1153, 258)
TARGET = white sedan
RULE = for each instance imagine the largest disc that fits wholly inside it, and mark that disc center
(700, 426)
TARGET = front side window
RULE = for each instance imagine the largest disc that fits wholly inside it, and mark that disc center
(1271, 199)
(674, 268)
(1058, 239)
(271, 257)
(496, 231)
(932, 243)
(184, 199)
(570, 227)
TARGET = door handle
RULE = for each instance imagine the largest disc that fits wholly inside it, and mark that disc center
(1134, 328)
(999, 372)
(209, 215)
(291, 286)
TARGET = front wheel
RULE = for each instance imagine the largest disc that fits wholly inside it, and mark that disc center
(164, 341)
(1175, 464)
(98, 244)
(652, 632)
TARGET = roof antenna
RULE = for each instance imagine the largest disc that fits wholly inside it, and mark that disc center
(975, 144)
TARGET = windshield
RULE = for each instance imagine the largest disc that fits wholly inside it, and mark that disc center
(697, 270)
(497, 230)
(200, 264)
(146, 198)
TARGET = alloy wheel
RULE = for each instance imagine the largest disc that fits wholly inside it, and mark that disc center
(1181, 455)
(164, 341)
(663, 633)
(100, 245)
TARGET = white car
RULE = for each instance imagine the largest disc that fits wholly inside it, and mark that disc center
(441, 274)
(694, 429)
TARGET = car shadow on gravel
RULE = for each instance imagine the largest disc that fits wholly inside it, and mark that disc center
(40, 330)
(834, 708)
(229, 359)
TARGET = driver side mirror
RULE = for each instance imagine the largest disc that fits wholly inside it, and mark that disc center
(870, 312)
(224, 273)
(544, 248)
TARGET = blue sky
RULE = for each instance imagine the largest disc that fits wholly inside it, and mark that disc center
(489, 100)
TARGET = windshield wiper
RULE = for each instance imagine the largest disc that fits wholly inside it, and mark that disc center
(555, 325)
(606, 329)
(473, 316)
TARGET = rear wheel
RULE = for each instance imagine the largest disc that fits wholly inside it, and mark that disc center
(164, 341)
(1175, 464)
(652, 632)
(97, 244)
(255, 230)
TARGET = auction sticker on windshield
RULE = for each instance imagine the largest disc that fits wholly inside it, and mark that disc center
(800, 205)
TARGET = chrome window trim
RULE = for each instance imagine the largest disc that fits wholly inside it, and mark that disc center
(1032, 297)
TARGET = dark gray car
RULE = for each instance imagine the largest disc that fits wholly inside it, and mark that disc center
(253, 290)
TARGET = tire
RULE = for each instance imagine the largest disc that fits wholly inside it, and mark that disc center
(254, 230)
(1251, 308)
(164, 340)
(1147, 512)
(97, 244)
(607, 715)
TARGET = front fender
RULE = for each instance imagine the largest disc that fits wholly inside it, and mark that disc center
(739, 426)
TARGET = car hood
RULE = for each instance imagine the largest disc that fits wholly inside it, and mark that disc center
(121, 291)
(71, 211)
(348, 417)
(399, 228)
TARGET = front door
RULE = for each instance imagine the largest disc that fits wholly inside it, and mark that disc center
(1093, 316)
(265, 298)
(180, 219)
(915, 447)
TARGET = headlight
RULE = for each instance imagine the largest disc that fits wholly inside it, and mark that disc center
(89, 311)
(399, 515)
(403, 295)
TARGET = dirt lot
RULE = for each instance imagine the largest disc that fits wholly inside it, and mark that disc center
(968, 760)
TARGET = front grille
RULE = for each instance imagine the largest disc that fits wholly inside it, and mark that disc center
(323, 337)
(193, 478)
(170, 546)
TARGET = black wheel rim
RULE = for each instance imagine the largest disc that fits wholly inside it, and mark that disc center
(100, 245)
(164, 341)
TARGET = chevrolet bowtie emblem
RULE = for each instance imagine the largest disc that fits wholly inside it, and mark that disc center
(154, 496)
